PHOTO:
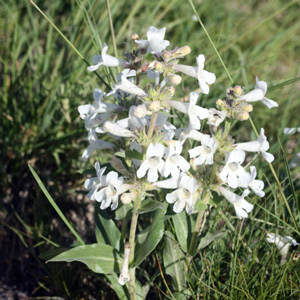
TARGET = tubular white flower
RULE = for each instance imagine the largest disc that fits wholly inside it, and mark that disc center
(204, 153)
(155, 43)
(105, 60)
(195, 112)
(153, 163)
(109, 194)
(260, 145)
(233, 173)
(183, 133)
(93, 184)
(97, 113)
(174, 161)
(255, 95)
(95, 144)
(216, 117)
(204, 77)
(241, 206)
(127, 86)
(183, 197)
(115, 129)
(282, 243)
(262, 85)
(291, 130)
(256, 185)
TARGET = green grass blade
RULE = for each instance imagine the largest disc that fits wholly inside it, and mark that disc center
(52, 202)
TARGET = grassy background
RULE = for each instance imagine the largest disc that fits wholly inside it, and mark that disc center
(42, 83)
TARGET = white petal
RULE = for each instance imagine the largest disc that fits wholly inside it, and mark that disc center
(268, 156)
(261, 85)
(209, 77)
(179, 206)
(172, 197)
(152, 175)
(200, 61)
(269, 103)
(142, 169)
(254, 95)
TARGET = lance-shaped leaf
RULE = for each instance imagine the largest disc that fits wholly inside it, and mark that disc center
(174, 262)
(98, 257)
(150, 205)
(183, 227)
(210, 237)
(106, 230)
(154, 235)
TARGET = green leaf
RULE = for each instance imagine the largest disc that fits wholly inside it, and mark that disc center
(154, 235)
(200, 206)
(98, 257)
(106, 230)
(210, 237)
(174, 262)
(150, 205)
(131, 154)
(183, 224)
(123, 211)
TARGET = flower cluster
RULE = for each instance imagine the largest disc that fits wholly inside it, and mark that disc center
(141, 127)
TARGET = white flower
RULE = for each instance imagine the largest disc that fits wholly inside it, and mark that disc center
(216, 117)
(291, 130)
(109, 194)
(241, 206)
(97, 113)
(256, 185)
(260, 145)
(195, 112)
(282, 243)
(183, 197)
(95, 144)
(174, 161)
(124, 276)
(93, 184)
(183, 133)
(255, 95)
(204, 77)
(105, 60)
(127, 86)
(155, 43)
(233, 173)
(262, 85)
(115, 129)
(153, 163)
(204, 153)
(295, 162)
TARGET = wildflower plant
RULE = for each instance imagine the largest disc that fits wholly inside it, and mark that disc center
(151, 166)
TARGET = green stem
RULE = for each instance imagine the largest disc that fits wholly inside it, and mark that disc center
(152, 124)
(132, 233)
(196, 232)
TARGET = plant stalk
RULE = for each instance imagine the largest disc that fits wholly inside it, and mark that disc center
(196, 232)
(133, 225)
(152, 124)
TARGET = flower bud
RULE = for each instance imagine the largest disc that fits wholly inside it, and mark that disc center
(159, 66)
(220, 103)
(126, 198)
(229, 91)
(185, 50)
(174, 79)
(135, 36)
(247, 108)
(154, 106)
(238, 90)
(242, 116)
(166, 55)
(140, 111)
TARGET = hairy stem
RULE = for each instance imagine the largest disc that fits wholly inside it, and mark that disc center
(152, 124)
(133, 225)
